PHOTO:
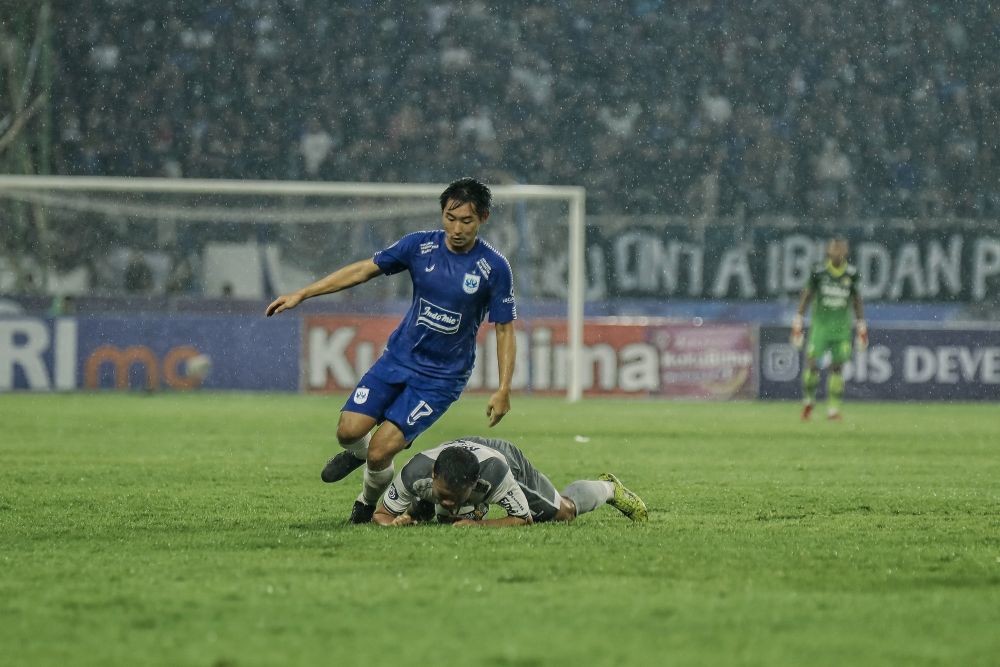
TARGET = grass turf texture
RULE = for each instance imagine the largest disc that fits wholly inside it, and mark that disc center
(194, 529)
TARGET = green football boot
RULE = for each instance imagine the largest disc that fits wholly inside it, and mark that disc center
(625, 501)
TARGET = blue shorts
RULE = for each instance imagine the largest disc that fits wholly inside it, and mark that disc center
(389, 392)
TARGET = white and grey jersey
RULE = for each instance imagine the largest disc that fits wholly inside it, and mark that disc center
(506, 478)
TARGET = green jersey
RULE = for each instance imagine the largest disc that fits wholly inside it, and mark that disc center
(833, 292)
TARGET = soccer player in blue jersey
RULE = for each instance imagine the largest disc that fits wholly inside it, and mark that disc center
(458, 279)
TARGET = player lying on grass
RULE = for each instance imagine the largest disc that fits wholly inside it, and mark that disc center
(459, 480)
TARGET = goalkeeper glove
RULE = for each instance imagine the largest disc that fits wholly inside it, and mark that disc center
(861, 337)
(797, 337)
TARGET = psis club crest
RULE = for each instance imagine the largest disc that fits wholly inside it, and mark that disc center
(470, 283)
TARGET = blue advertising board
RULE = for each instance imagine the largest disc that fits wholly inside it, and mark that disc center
(38, 354)
(933, 364)
(150, 352)
(252, 353)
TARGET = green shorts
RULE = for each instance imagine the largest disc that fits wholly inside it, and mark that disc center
(820, 341)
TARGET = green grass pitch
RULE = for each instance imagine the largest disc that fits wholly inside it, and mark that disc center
(194, 530)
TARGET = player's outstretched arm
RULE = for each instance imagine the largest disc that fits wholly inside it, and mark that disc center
(383, 517)
(341, 279)
(499, 404)
(505, 522)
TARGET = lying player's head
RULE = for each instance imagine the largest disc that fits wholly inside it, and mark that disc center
(836, 250)
(465, 205)
(454, 476)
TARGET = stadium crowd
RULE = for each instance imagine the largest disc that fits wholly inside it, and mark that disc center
(704, 107)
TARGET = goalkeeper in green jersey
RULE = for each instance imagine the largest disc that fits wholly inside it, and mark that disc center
(834, 284)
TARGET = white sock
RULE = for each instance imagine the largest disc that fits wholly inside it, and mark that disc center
(359, 447)
(375, 484)
(587, 495)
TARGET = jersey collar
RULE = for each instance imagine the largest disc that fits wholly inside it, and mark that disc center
(834, 271)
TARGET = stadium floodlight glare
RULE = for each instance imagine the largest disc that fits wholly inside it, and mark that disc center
(150, 199)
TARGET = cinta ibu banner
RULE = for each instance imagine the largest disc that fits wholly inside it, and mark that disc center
(648, 359)
(899, 364)
(148, 353)
(958, 263)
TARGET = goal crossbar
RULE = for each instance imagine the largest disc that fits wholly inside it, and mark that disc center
(302, 188)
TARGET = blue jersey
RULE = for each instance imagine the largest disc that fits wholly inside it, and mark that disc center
(452, 293)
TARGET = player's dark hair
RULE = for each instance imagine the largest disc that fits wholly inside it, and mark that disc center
(457, 466)
(468, 191)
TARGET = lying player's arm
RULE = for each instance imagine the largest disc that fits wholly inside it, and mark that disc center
(508, 495)
(341, 279)
(496, 523)
(499, 404)
(384, 517)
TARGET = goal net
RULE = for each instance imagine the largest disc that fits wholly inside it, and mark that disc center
(207, 239)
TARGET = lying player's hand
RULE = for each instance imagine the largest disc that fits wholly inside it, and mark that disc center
(464, 523)
(498, 406)
(404, 520)
(283, 302)
(797, 338)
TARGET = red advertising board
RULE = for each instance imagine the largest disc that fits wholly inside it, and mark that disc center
(338, 349)
(621, 357)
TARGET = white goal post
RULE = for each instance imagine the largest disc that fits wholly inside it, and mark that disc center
(573, 196)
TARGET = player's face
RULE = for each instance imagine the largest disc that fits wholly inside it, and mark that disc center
(448, 498)
(837, 252)
(461, 225)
